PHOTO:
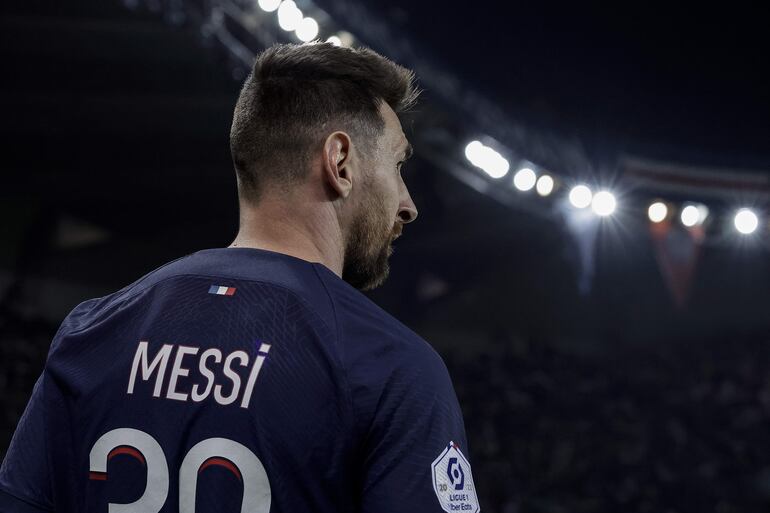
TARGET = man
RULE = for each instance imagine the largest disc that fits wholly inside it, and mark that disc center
(256, 378)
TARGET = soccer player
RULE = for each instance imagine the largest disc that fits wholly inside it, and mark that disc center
(257, 378)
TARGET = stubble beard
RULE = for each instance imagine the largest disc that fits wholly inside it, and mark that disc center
(369, 247)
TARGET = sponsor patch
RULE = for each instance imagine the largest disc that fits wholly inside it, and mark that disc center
(453, 481)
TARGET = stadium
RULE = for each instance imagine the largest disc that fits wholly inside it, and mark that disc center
(590, 259)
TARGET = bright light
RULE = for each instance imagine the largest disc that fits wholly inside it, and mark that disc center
(580, 196)
(289, 15)
(603, 203)
(269, 5)
(746, 221)
(307, 29)
(693, 215)
(689, 215)
(544, 185)
(346, 38)
(472, 151)
(334, 40)
(703, 213)
(657, 212)
(524, 179)
(484, 157)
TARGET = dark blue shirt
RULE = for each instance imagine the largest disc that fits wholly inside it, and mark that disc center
(239, 380)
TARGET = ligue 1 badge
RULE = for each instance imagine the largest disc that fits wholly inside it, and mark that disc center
(453, 481)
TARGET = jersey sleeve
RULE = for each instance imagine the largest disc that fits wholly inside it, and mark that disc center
(25, 481)
(415, 451)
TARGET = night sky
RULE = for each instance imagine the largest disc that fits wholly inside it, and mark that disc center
(686, 83)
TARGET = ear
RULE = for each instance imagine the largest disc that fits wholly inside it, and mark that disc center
(336, 164)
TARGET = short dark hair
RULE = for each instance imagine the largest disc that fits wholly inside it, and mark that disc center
(295, 92)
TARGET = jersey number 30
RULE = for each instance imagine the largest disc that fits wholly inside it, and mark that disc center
(212, 451)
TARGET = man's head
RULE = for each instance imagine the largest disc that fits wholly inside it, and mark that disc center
(327, 116)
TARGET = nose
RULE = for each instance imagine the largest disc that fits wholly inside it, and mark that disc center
(407, 211)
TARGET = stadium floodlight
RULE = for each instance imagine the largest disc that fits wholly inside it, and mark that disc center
(487, 159)
(746, 221)
(307, 29)
(346, 38)
(693, 215)
(657, 212)
(603, 203)
(544, 185)
(494, 164)
(269, 5)
(703, 213)
(524, 179)
(336, 41)
(689, 215)
(472, 151)
(580, 196)
(289, 15)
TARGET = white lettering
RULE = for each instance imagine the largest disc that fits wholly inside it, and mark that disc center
(234, 377)
(160, 361)
(177, 370)
(217, 354)
(253, 378)
(146, 366)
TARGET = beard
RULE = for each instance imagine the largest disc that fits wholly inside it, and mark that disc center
(369, 247)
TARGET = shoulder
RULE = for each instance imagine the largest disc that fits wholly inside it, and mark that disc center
(363, 323)
(400, 389)
(376, 347)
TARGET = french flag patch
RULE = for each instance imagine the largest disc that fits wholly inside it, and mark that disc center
(221, 291)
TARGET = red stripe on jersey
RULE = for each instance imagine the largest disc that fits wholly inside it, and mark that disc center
(222, 462)
(126, 450)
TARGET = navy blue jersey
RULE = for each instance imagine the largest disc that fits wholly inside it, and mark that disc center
(239, 380)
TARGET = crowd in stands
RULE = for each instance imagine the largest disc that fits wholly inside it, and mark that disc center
(681, 430)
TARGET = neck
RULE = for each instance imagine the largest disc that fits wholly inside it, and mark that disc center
(305, 229)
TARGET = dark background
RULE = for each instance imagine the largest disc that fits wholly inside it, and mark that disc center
(115, 159)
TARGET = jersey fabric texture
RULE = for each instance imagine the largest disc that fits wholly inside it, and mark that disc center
(237, 379)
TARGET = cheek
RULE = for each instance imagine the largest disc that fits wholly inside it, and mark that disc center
(386, 190)
(393, 196)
